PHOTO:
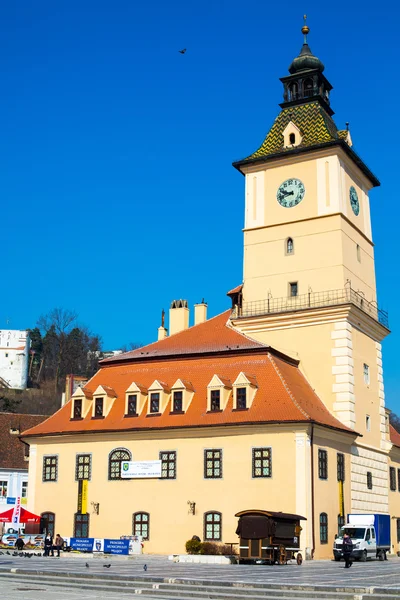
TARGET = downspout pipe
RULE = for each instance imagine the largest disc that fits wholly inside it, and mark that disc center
(312, 491)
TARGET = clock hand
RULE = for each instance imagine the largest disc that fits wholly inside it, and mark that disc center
(287, 193)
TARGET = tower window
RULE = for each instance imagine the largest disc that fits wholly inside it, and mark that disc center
(293, 289)
(358, 253)
(308, 88)
(292, 138)
(368, 423)
(369, 480)
(289, 246)
(366, 374)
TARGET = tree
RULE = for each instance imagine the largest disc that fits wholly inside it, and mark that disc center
(66, 347)
(394, 420)
(8, 404)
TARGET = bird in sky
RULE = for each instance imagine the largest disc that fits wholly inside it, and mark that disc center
(87, 565)
(182, 51)
(145, 568)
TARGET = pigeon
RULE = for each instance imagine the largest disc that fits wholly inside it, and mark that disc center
(1, 552)
(7, 552)
(87, 565)
(145, 568)
(107, 566)
(182, 51)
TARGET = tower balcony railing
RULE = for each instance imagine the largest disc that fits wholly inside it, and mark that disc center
(311, 300)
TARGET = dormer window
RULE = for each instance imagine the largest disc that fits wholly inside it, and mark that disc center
(132, 404)
(218, 393)
(81, 403)
(182, 394)
(155, 402)
(215, 400)
(98, 407)
(178, 401)
(241, 402)
(135, 399)
(292, 138)
(78, 409)
(245, 388)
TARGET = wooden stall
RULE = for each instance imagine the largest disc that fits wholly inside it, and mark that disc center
(270, 537)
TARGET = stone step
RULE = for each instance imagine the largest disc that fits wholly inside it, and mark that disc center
(191, 590)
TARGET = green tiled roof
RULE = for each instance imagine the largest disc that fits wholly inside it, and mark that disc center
(314, 123)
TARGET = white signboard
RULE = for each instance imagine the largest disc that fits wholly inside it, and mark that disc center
(140, 469)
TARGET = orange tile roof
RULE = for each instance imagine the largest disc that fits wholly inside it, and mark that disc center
(235, 290)
(283, 395)
(394, 436)
(214, 335)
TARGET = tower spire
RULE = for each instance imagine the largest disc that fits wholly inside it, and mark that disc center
(305, 29)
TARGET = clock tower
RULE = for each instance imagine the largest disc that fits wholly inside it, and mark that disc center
(309, 276)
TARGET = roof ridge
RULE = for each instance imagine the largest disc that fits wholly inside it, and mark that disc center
(285, 385)
(119, 356)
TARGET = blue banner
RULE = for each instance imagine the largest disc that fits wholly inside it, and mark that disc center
(116, 546)
(11, 500)
(81, 544)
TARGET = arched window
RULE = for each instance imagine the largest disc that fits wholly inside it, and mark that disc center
(114, 462)
(308, 88)
(358, 253)
(49, 522)
(323, 528)
(289, 246)
(141, 524)
(81, 525)
(212, 526)
(293, 92)
(292, 138)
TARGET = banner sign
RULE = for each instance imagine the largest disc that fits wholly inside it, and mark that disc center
(99, 545)
(31, 541)
(116, 546)
(79, 507)
(140, 469)
(11, 500)
(84, 497)
(16, 512)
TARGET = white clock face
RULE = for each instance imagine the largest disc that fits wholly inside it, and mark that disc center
(290, 193)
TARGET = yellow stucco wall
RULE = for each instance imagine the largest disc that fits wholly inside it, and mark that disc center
(166, 500)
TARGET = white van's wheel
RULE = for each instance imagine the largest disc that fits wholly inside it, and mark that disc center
(363, 557)
(381, 555)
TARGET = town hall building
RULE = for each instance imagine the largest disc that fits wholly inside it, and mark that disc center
(275, 404)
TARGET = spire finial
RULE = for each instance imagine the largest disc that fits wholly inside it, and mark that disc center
(305, 29)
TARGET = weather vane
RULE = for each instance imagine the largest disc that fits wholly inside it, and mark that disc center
(305, 29)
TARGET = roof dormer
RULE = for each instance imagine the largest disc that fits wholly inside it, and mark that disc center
(218, 392)
(103, 399)
(182, 394)
(291, 136)
(158, 397)
(135, 399)
(81, 403)
(244, 390)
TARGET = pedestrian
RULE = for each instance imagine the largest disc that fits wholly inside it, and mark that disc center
(19, 544)
(48, 545)
(58, 544)
(347, 550)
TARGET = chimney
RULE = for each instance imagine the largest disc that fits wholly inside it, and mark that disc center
(200, 312)
(162, 332)
(178, 316)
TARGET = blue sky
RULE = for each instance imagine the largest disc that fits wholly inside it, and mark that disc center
(116, 184)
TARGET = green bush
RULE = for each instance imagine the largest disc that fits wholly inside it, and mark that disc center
(193, 547)
(209, 548)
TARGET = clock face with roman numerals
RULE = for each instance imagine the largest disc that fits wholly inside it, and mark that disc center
(290, 193)
(355, 204)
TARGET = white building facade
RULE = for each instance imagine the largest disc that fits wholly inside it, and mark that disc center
(14, 358)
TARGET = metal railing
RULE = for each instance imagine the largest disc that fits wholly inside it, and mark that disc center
(312, 300)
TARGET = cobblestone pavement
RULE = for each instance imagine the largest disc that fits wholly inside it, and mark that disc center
(318, 572)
